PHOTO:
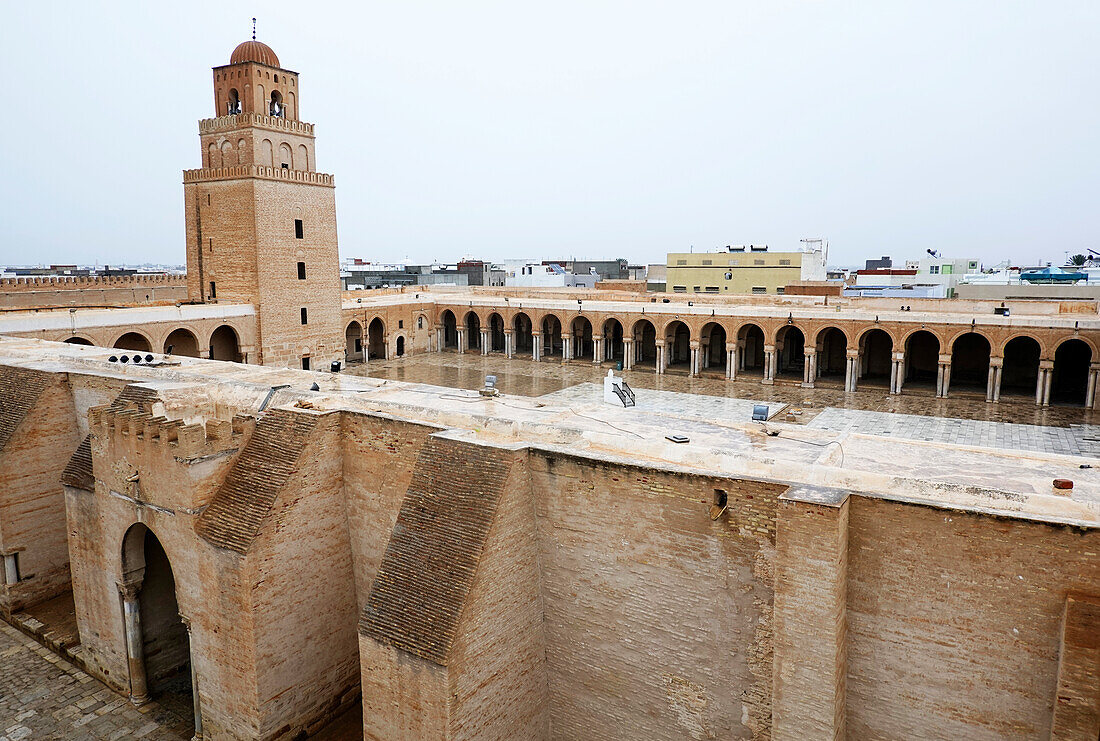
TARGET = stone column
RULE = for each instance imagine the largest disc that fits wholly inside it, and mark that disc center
(194, 679)
(731, 360)
(484, 342)
(628, 353)
(566, 347)
(509, 351)
(1046, 375)
(135, 657)
(1094, 378)
(461, 339)
(993, 380)
(943, 376)
(771, 363)
(536, 345)
(660, 365)
(897, 373)
(693, 362)
(850, 376)
(11, 569)
(809, 367)
(704, 356)
(439, 339)
(740, 356)
(597, 349)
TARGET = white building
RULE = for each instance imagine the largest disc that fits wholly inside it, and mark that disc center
(535, 275)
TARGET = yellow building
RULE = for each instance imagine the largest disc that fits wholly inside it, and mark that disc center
(739, 270)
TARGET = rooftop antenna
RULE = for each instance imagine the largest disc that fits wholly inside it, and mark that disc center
(253, 29)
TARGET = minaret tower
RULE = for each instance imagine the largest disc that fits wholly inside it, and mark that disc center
(261, 220)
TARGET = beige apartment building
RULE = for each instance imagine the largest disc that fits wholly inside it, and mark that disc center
(742, 269)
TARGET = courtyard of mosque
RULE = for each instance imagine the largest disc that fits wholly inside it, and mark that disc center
(964, 418)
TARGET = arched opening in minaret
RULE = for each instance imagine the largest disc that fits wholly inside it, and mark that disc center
(275, 107)
(182, 342)
(233, 106)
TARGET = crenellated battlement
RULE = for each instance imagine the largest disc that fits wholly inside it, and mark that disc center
(84, 282)
(242, 120)
(143, 432)
(258, 171)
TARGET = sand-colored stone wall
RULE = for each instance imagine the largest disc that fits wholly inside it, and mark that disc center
(657, 618)
(955, 620)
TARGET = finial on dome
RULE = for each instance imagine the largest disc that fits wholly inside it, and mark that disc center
(253, 29)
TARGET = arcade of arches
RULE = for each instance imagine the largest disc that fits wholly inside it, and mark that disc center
(1050, 367)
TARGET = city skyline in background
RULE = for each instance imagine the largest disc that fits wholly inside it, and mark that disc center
(583, 132)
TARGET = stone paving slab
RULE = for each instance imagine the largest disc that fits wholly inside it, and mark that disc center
(1082, 440)
(714, 408)
(45, 697)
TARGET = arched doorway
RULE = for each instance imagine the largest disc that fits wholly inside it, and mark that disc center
(551, 336)
(496, 333)
(224, 345)
(875, 349)
(133, 341)
(970, 362)
(612, 340)
(922, 358)
(750, 350)
(159, 657)
(1070, 377)
(790, 350)
(521, 334)
(473, 331)
(832, 353)
(78, 341)
(353, 342)
(677, 344)
(713, 347)
(1020, 368)
(645, 342)
(400, 347)
(182, 342)
(450, 329)
(376, 339)
(582, 338)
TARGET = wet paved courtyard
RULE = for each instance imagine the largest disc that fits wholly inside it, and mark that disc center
(43, 696)
(964, 418)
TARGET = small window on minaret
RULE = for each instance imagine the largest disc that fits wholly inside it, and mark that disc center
(299, 230)
(213, 290)
(305, 361)
(301, 271)
(303, 315)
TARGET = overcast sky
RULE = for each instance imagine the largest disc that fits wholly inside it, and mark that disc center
(577, 128)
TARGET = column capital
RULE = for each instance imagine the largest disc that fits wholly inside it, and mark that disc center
(852, 352)
(996, 362)
(771, 348)
(693, 344)
(1046, 364)
(567, 335)
(509, 331)
(597, 337)
(809, 351)
(731, 346)
(659, 343)
(945, 359)
(628, 340)
(899, 356)
(129, 589)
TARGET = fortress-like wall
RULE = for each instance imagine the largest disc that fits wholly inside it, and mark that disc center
(49, 292)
